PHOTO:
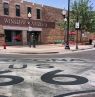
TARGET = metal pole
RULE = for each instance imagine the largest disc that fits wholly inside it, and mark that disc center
(65, 33)
(77, 39)
(29, 34)
(34, 43)
(67, 40)
(77, 31)
(65, 29)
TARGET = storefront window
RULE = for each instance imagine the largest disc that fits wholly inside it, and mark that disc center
(8, 36)
(6, 8)
(13, 37)
(29, 10)
(38, 13)
(18, 36)
(17, 10)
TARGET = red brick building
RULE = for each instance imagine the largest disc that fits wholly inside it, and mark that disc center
(17, 29)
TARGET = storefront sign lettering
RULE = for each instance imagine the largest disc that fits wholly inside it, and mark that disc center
(10, 21)
(14, 21)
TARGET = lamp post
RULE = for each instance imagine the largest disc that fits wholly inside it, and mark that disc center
(29, 16)
(67, 35)
(34, 41)
(77, 28)
(65, 26)
(33, 34)
(65, 30)
(67, 40)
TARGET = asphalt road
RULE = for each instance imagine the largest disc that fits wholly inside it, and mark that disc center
(67, 75)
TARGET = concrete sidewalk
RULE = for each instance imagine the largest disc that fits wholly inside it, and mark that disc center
(43, 49)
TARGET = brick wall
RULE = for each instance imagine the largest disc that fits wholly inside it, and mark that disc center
(54, 15)
(1, 36)
(1, 7)
(49, 14)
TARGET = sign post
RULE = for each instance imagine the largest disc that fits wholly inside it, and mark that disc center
(77, 28)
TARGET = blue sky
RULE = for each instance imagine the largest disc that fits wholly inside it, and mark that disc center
(56, 3)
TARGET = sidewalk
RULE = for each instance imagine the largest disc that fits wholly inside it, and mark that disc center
(43, 49)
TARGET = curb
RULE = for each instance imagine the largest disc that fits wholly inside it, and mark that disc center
(83, 49)
(49, 53)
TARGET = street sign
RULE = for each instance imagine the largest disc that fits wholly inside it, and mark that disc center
(77, 25)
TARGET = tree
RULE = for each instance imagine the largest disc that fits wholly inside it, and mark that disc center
(81, 10)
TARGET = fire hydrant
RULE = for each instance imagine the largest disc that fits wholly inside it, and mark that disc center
(4, 45)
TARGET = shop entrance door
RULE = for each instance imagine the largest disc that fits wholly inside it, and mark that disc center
(34, 34)
(13, 37)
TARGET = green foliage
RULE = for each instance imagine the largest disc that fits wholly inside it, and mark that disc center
(82, 10)
(62, 24)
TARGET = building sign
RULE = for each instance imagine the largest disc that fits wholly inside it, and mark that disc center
(77, 25)
(4, 20)
(6, 1)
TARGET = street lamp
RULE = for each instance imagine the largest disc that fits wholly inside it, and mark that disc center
(33, 34)
(64, 12)
(65, 29)
(65, 22)
(67, 35)
(29, 16)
